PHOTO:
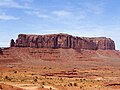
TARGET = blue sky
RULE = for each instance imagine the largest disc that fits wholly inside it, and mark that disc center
(84, 18)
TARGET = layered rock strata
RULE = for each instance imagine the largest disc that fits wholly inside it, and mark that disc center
(63, 41)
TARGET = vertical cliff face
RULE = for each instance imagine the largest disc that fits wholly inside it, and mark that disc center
(63, 41)
(12, 43)
(1, 51)
(104, 43)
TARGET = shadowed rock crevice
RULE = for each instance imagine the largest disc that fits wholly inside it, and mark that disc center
(63, 41)
(1, 51)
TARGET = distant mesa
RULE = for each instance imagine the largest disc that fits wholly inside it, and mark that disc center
(63, 41)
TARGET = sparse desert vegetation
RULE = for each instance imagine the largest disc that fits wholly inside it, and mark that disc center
(62, 80)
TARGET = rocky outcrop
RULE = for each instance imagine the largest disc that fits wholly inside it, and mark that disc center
(104, 43)
(12, 43)
(1, 51)
(63, 41)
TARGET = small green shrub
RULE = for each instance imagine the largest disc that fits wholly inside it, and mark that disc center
(75, 84)
(15, 71)
(35, 80)
(70, 84)
(50, 88)
(43, 83)
(7, 78)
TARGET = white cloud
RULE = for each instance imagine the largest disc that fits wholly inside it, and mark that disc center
(13, 4)
(28, 0)
(37, 13)
(42, 16)
(7, 17)
(4, 44)
(94, 8)
(61, 13)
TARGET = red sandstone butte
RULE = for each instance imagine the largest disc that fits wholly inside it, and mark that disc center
(63, 41)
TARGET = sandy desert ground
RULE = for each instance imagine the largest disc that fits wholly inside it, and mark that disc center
(59, 69)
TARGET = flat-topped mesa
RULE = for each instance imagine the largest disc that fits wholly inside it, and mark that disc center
(63, 41)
